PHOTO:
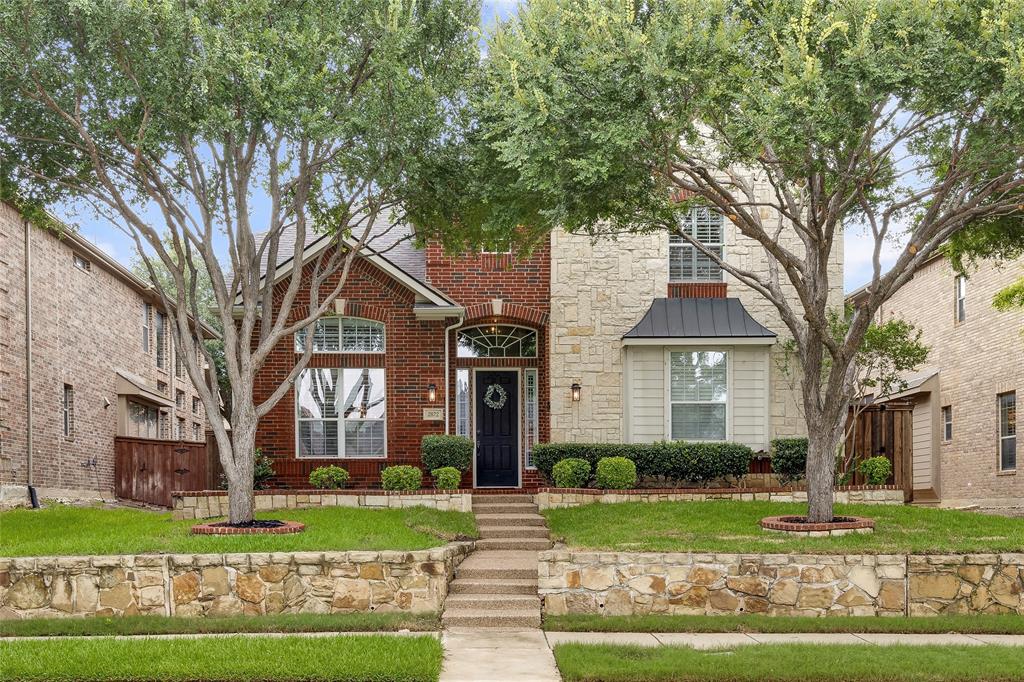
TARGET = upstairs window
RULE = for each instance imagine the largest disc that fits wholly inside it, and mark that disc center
(147, 315)
(343, 335)
(179, 399)
(960, 298)
(685, 262)
(697, 395)
(68, 411)
(1007, 431)
(161, 341)
(497, 341)
(947, 423)
(82, 263)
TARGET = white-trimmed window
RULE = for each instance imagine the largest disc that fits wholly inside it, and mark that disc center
(341, 413)
(947, 423)
(960, 298)
(147, 315)
(181, 429)
(462, 402)
(143, 420)
(685, 262)
(497, 341)
(197, 432)
(82, 263)
(698, 393)
(161, 340)
(530, 421)
(68, 411)
(344, 335)
(1007, 431)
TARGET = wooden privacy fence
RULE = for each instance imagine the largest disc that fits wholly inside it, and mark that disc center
(148, 470)
(884, 430)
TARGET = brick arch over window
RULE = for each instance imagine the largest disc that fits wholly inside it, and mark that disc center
(510, 312)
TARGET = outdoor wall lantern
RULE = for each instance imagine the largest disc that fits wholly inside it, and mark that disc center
(576, 390)
(431, 393)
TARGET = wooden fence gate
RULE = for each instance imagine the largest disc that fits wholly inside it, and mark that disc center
(885, 430)
(148, 470)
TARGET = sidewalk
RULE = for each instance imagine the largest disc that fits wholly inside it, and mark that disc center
(711, 640)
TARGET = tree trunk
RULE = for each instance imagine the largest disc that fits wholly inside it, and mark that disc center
(821, 474)
(239, 467)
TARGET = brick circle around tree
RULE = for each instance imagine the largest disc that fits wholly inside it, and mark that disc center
(255, 528)
(799, 525)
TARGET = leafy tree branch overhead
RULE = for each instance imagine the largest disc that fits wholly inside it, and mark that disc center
(185, 110)
(793, 118)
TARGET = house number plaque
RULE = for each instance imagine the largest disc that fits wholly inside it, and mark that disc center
(433, 414)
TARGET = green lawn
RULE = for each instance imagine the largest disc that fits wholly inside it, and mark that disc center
(779, 662)
(63, 530)
(163, 625)
(730, 526)
(1003, 624)
(349, 657)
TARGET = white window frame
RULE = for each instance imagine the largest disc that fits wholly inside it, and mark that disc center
(162, 347)
(536, 336)
(340, 320)
(677, 244)
(464, 407)
(82, 263)
(340, 418)
(1002, 437)
(960, 299)
(150, 411)
(147, 315)
(68, 411)
(197, 432)
(669, 402)
(946, 418)
(531, 418)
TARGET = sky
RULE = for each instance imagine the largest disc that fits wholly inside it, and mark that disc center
(857, 245)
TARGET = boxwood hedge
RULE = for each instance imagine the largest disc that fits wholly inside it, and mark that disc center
(675, 461)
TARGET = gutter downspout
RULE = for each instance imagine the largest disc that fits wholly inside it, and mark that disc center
(447, 376)
(28, 359)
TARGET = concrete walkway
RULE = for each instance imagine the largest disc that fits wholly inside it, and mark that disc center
(494, 655)
(712, 640)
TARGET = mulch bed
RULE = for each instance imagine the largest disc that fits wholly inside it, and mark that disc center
(262, 527)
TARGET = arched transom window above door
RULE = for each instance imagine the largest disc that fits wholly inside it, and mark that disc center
(497, 341)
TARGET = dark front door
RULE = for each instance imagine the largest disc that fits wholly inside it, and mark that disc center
(497, 429)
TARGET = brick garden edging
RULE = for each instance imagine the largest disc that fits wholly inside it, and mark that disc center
(205, 504)
(286, 528)
(228, 584)
(619, 583)
(798, 525)
(556, 498)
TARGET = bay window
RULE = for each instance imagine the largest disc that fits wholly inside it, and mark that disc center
(698, 393)
(341, 413)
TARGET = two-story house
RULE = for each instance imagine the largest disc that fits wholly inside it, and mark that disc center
(965, 448)
(634, 339)
(86, 354)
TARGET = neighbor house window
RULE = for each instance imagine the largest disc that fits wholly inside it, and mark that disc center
(179, 366)
(197, 432)
(147, 315)
(341, 413)
(161, 340)
(343, 335)
(685, 262)
(697, 395)
(462, 415)
(68, 411)
(530, 422)
(143, 420)
(195, 405)
(179, 399)
(947, 423)
(81, 263)
(960, 293)
(497, 341)
(181, 429)
(163, 425)
(1007, 431)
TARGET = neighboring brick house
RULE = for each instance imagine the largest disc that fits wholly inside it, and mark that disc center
(102, 363)
(631, 340)
(965, 449)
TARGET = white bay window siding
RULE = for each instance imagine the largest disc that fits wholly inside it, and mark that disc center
(680, 392)
(341, 413)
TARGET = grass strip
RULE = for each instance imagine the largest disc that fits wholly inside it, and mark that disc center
(730, 526)
(163, 625)
(998, 624)
(64, 530)
(786, 662)
(350, 658)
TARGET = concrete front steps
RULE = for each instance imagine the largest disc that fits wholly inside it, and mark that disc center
(496, 586)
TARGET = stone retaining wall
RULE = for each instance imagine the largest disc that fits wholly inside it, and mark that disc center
(554, 498)
(614, 583)
(228, 584)
(204, 504)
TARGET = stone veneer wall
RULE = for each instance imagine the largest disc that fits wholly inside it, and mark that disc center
(228, 584)
(205, 504)
(616, 583)
(557, 498)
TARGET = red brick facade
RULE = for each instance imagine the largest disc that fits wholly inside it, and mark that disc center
(697, 289)
(414, 355)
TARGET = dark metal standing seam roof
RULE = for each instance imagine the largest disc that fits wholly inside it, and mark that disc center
(698, 318)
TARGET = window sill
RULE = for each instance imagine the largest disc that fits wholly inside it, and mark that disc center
(1008, 472)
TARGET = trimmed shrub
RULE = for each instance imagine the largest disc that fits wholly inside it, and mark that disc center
(439, 451)
(789, 459)
(329, 477)
(571, 472)
(402, 477)
(446, 478)
(676, 461)
(616, 473)
(876, 470)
